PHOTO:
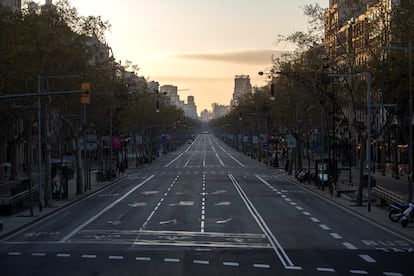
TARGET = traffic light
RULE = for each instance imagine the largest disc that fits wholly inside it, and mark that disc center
(85, 95)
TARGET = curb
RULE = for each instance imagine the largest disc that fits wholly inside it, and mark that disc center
(380, 224)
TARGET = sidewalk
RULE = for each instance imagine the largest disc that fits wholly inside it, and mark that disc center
(15, 222)
(347, 199)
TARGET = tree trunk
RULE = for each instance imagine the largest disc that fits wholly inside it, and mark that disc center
(48, 161)
(361, 172)
(79, 170)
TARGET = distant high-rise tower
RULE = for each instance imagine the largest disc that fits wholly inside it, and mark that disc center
(14, 5)
(242, 87)
(190, 109)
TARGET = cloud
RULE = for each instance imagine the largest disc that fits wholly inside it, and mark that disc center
(238, 56)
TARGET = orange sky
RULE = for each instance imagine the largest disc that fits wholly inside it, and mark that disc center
(198, 45)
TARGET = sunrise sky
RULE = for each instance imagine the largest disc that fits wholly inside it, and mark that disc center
(197, 45)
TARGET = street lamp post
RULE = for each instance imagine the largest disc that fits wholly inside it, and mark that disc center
(409, 49)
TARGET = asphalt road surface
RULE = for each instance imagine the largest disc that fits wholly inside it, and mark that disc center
(205, 210)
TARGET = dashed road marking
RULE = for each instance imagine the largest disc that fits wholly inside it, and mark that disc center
(203, 262)
(230, 264)
(336, 236)
(315, 219)
(349, 246)
(63, 255)
(359, 272)
(15, 253)
(171, 260)
(143, 259)
(116, 257)
(86, 256)
(39, 254)
(324, 227)
(261, 266)
(368, 258)
(325, 269)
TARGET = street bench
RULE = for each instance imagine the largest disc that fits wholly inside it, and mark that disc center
(386, 195)
(17, 202)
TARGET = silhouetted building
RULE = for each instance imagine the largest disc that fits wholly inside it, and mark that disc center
(242, 87)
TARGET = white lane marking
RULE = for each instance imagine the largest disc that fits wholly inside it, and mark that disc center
(39, 254)
(201, 262)
(261, 266)
(237, 161)
(368, 258)
(86, 256)
(230, 264)
(188, 162)
(203, 206)
(324, 227)
(143, 259)
(349, 246)
(325, 269)
(306, 213)
(63, 255)
(357, 271)
(15, 253)
(77, 229)
(219, 159)
(299, 208)
(336, 236)
(171, 260)
(175, 159)
(116, 257)
(278, 249)
(315, 219)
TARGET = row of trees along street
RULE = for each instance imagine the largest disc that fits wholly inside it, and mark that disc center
(327, 115)
(52, 48)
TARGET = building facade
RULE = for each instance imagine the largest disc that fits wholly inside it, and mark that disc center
(354, 34)
(242, 87)
(190, 108)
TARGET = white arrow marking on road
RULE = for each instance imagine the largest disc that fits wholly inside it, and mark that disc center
(223, 221)
(77, 229)
(219, 192)
(183, 203)
(150, 192)
(137, 204)
(223, 203)
(168, 221)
